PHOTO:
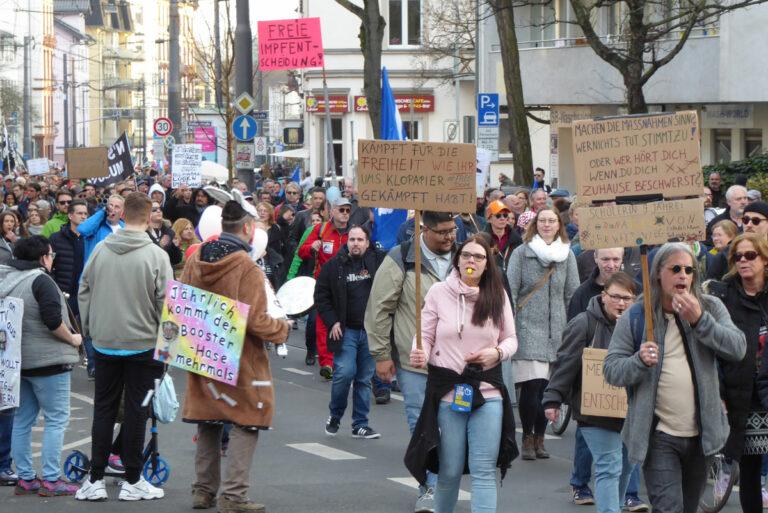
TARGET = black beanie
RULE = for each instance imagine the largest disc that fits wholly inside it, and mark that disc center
(760, 207)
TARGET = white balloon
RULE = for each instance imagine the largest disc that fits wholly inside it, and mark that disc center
(259, 243)
(210, 222)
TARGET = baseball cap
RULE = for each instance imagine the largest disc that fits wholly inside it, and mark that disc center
(341, 201)
(494, 207)
(754, 195)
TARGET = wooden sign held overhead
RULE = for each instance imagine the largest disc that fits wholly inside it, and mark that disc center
(637, 155)
(87, 162)
(657, 222)
(417, 175)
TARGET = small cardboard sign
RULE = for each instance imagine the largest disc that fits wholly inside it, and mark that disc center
(37, 166)
(290, 44)
(87, 162)
(417, 175)
(201, 332)
(598, 398)
(637, 156)
(11, 313)
(185, 170)
(621, 226)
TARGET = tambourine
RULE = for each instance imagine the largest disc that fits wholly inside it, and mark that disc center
(297, 296)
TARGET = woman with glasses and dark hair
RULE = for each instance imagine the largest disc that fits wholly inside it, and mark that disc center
(675, 420)
(743, 291)
(467, 331)
(542, 277)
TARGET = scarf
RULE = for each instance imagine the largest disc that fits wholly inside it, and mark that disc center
(555, 252)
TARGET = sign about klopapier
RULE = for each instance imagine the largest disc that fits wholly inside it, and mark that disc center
(654, 154)
(201, 332)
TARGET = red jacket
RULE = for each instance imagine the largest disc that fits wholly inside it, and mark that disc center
(331, 239)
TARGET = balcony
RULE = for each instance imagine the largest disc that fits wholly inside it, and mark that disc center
(121, 83)
(118, 114)
(121, 54)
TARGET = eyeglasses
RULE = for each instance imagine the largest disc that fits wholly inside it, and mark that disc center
(451, 232)
(677, 268)
(65, 202)
(620, 298)
(344, 210)
(502, 215)
(52, 254)
(748, 255)
(291, 192)
(477, 257)
(753, 220)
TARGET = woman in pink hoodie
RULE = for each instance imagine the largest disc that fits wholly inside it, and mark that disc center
(467, 330)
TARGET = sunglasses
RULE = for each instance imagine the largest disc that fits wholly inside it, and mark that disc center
(344, 210)
(676, 269)
(156, 209)
(65, 202)
(292, 193)
(753, 220)
(747, 255)
(503, 215)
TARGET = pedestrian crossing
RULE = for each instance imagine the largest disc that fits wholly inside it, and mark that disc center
(324, 451)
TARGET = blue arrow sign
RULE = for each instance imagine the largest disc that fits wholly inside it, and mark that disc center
(244, 128)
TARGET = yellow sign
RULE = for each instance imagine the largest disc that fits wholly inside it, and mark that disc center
(245, 103)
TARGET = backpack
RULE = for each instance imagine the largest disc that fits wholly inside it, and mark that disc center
(637, 324)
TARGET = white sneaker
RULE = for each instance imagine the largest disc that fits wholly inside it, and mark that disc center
(140, 491)
(92, 491)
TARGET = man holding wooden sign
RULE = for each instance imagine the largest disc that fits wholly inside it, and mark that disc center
(437, 177)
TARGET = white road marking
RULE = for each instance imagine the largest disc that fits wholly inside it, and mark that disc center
(412, 483)
(546, 437)
(326, 452)
(68, 446)
(82, 397)
(297, 371)
(397, 397)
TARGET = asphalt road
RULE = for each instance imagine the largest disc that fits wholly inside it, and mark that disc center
(298, 469)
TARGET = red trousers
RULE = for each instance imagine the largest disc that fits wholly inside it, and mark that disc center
(324, 356)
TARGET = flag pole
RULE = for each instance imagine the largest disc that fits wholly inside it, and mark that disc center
(417, 249)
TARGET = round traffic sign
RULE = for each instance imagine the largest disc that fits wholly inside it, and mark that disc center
(163, 126)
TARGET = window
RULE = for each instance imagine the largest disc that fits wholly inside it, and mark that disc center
(336, 132)
(753, 142)
(404, 22)
(411, 130)
(722, 146)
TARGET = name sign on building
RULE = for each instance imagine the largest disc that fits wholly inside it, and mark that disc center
(339, 103)
(734, 115)
(421, 103)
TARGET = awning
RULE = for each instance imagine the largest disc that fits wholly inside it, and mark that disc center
(300, 153)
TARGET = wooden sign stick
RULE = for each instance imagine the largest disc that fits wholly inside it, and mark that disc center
(417, 249)
(646, 294)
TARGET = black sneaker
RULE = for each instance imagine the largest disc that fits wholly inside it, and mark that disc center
(364, 432)
(326, 372)
(382, 396)
(331, 426)
(309, 359)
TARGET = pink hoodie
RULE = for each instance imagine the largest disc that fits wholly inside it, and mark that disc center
(447, 313)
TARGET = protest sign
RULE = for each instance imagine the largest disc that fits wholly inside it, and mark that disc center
(417, 175)
(637, 155)
(290, 44)
(185, 170)
(37, 166)
(621, 226)
(119, 161)
(11, 313)
(201, 332)
(598, 398)
(87, 162)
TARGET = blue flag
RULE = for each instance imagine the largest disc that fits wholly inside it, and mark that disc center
(296, 176)
(387, 221)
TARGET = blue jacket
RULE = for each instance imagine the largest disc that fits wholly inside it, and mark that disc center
(94, 230)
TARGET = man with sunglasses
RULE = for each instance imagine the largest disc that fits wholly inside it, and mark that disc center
(322, 244)
(60, 218)
(754, 220)
(504, 237)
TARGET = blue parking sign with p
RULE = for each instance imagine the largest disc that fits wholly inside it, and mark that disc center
(488, 109)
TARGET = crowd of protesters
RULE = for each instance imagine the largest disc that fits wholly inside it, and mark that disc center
(510, 301)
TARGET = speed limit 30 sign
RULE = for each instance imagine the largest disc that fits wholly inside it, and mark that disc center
(163, 126)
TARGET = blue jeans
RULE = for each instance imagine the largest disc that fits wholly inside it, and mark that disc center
(476, 434)
(582, 462)
(88, 345)
(6, 432)
(352, 365)
(413, 386)
(51, 395)
(612, 467)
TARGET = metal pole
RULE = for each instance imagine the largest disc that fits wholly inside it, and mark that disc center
(65, 90)
(144, 118)
(27, 141)
(243, 67)
(174, 72)
(217, 54)
(74, 104)
(330, 159)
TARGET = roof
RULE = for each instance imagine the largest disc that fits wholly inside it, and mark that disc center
(80, 36)
(71, 6)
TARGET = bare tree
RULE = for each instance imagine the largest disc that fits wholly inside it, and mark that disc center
(648, 35)
(371, 35)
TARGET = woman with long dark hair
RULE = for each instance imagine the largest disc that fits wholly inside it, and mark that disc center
(467, 330)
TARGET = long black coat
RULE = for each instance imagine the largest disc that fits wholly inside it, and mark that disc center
(738, 386)
(69, 262)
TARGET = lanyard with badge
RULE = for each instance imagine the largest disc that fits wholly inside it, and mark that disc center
(463, 392)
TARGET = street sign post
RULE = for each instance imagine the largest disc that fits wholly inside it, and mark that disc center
(488, 109)
(260, 115)
(163, 126)
(245, 103)
(244, 128)
(260, 143)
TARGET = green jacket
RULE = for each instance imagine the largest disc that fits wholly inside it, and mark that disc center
(54, 224)
(296, 262)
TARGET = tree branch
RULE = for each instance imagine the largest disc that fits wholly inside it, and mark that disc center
(354, 9)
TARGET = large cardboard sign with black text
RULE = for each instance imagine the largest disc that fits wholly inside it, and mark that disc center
(657, 222)
(417, 175)
(637, 156)
(598, 398)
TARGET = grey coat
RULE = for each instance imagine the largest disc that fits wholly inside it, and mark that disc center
(541, 321)
(714, 336)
